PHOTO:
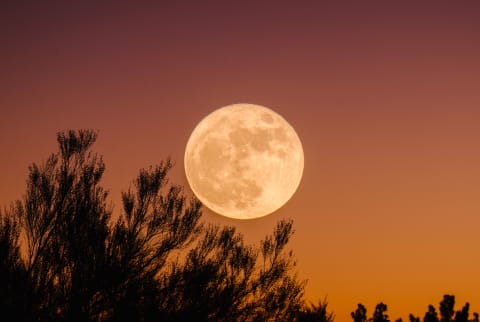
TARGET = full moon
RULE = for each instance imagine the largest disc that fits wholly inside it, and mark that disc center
(244, 161)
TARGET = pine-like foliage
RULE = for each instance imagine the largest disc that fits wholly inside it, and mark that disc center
(65, 257)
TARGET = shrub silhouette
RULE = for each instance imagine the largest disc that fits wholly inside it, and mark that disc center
(154, 261)
(360, 314)
(13, 281)
(446, 308)
(379, 315)
(316, 313)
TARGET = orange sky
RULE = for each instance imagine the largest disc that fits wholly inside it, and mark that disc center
(385, 98)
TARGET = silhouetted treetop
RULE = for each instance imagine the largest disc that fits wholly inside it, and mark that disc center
(316, 313)
(360, 314)
(380, 313)
(12, 269)
(446, 306)
(431, 315)
(153, 261)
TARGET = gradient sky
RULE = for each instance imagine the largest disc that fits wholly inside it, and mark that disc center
(385, 97)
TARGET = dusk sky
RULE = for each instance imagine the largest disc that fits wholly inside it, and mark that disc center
(385, 97)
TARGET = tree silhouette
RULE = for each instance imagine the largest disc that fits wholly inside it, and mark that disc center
(316, 313)
(12, 271)
(446, 308)
(360, 314)
(224, 280)
(65, 221)
(462, 315)
(379, 315)
(431, 315)
(413, 318)
(154, 261)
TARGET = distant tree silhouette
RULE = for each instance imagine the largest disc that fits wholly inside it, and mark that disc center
(463, 314)
(379, 315)
(431, 315)
(154, 262)
(360, 314)
(316, 313)
(447, 308)
(413, 318)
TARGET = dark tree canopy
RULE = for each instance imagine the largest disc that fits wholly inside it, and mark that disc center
(316, 313)
(13, 281)
(446, 307)
(431, 315)
(380, 313)
(156, 261)
(360, 314)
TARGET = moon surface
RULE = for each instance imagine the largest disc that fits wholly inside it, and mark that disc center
(244, 161)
